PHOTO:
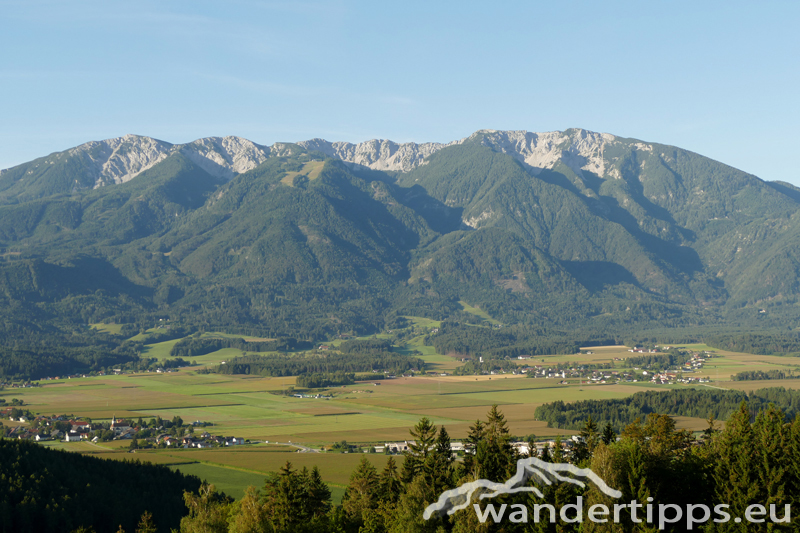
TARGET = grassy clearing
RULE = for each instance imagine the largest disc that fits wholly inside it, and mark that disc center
(422, 322)
(750, 386)
(478, 312)
(144, 336)
(159, 350)
(311, 170)
(113, 329)
(220, 335)
(215, 358)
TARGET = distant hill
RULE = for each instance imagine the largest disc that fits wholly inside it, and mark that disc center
(576, 230)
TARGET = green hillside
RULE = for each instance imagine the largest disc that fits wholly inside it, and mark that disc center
(308, 247)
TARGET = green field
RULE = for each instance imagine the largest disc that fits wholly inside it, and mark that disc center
(113, 329)
(478, 312)
(231, 482)
(231, 470)
(256, 408)
(422, 322)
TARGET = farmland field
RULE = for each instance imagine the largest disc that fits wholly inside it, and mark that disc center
(366, 413)
(256, 408)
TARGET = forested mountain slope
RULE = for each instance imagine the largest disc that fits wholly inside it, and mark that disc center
(585, 232)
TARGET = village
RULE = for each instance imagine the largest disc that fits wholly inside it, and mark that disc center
(156, 434)
(661, 368)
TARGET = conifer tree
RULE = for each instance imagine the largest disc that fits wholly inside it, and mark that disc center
(438, 467)
(774, 470)
(546, 455)
(474, 438)
(495, 457)
(423, 437)
(389, 484)
(283, 498)
(558, 455)
(361, 495)
(793, 457)
(407, 516)
(609, 436)
(735, 475)
(146, 524)
(318, 495)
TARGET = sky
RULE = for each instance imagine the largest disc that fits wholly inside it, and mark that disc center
(717, 78)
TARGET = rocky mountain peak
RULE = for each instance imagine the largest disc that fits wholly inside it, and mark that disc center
(377, 154)
(580, 149)
(120, 159)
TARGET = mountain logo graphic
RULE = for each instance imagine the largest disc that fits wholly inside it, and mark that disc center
(530, 468)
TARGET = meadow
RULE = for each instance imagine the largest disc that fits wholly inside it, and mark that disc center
(365, 413)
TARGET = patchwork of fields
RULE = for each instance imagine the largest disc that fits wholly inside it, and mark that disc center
(259, 409)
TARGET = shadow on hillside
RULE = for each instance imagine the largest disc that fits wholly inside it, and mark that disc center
(597, 275)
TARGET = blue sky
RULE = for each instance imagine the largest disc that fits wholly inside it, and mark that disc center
(720, 78)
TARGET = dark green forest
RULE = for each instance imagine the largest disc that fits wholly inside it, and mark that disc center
(698, 403)
(44, 490)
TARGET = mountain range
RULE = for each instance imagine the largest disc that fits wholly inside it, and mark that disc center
(575, 230)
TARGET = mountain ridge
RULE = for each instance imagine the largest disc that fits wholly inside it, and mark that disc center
(573, 233)
(120, 159)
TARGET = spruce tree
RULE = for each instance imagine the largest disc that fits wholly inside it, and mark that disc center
(609, 435)
(423, 437)
(389, 484)
(318, 495)
(438, 466)
(361, 495)
(735, 473)
(146, 524)
(774, 468)
(474, 438)
(495, 457)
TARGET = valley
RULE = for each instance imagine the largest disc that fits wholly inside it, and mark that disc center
(310, 302)
(277, 422)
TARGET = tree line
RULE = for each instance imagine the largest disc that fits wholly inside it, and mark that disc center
(317, 380)
(193, 347)
(757, 343)
(660, 361)
(757, 375)
(326, 363)
(619, 413)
